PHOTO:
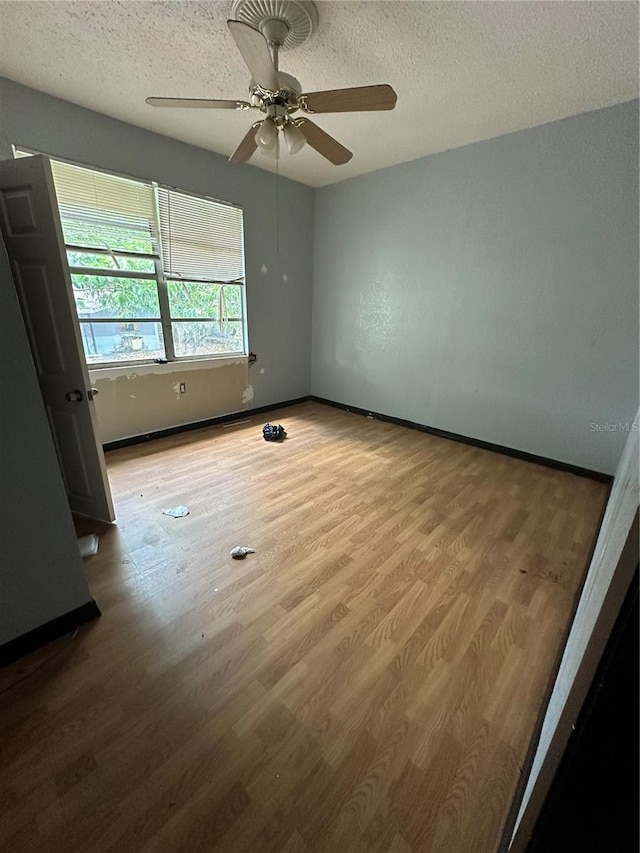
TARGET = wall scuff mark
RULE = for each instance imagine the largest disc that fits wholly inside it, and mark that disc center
(127, 407)
(141, 370)
(247, 394)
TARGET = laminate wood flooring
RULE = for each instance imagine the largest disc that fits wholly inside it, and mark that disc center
(367, 682)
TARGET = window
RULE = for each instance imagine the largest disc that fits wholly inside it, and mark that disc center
(156, 273)
(202, 249)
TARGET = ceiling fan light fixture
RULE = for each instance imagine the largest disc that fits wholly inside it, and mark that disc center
(260, 29)
(272, 153)
(266, 135)
(294, 137)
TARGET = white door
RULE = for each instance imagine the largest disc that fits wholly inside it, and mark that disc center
(32, 232)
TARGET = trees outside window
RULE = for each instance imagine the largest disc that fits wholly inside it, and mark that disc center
(157, 274)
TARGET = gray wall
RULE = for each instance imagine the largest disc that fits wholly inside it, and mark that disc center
(41, 573)
(279, 310)
(490, 290)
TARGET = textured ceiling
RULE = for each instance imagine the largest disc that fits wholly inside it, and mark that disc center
(463, 71)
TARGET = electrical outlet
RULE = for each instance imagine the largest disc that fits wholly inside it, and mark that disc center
(183, 387)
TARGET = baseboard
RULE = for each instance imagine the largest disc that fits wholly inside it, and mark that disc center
(208, 422)
(58, 627)
(474, 442)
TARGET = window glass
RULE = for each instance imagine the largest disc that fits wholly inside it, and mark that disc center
(121, 342)
(189, 299)
(101, 297)
(205, 338)
(110, 262)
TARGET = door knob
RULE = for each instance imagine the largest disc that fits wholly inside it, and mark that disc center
(74, 396)
(92, 392)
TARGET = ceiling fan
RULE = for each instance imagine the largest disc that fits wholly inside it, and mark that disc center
(262, 28)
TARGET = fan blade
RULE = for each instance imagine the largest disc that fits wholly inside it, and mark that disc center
(323, 143)
(255, 52)
(198, 103)
(247, 147)
(350, 100)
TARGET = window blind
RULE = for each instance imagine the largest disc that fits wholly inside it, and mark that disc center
(104, 211)
(201, 239)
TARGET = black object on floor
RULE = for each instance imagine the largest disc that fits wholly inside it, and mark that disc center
(271, 432)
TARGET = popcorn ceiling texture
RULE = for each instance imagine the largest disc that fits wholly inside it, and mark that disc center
(463, 71)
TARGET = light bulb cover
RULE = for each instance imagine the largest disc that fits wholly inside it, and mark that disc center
(267, 134)
(272, 153)
(294, 137)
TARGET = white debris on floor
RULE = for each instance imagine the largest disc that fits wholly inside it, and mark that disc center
(176, 511)
(88, 545)
(241, 551)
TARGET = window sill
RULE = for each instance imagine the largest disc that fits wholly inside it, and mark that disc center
(114, 371)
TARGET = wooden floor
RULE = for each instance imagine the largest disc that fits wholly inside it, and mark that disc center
(368, 680)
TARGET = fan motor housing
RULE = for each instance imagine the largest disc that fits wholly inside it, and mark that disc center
(286, 97)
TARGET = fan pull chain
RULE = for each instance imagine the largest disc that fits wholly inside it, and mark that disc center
(170, 231)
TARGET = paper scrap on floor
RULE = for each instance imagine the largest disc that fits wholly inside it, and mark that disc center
(241, 551)
(176, 511)
(88, 545)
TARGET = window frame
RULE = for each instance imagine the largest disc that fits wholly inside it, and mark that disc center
(159, 276)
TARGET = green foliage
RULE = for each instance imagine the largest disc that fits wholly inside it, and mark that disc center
(213, 307)
(135, 297)
(132, 236)
(118, 297)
